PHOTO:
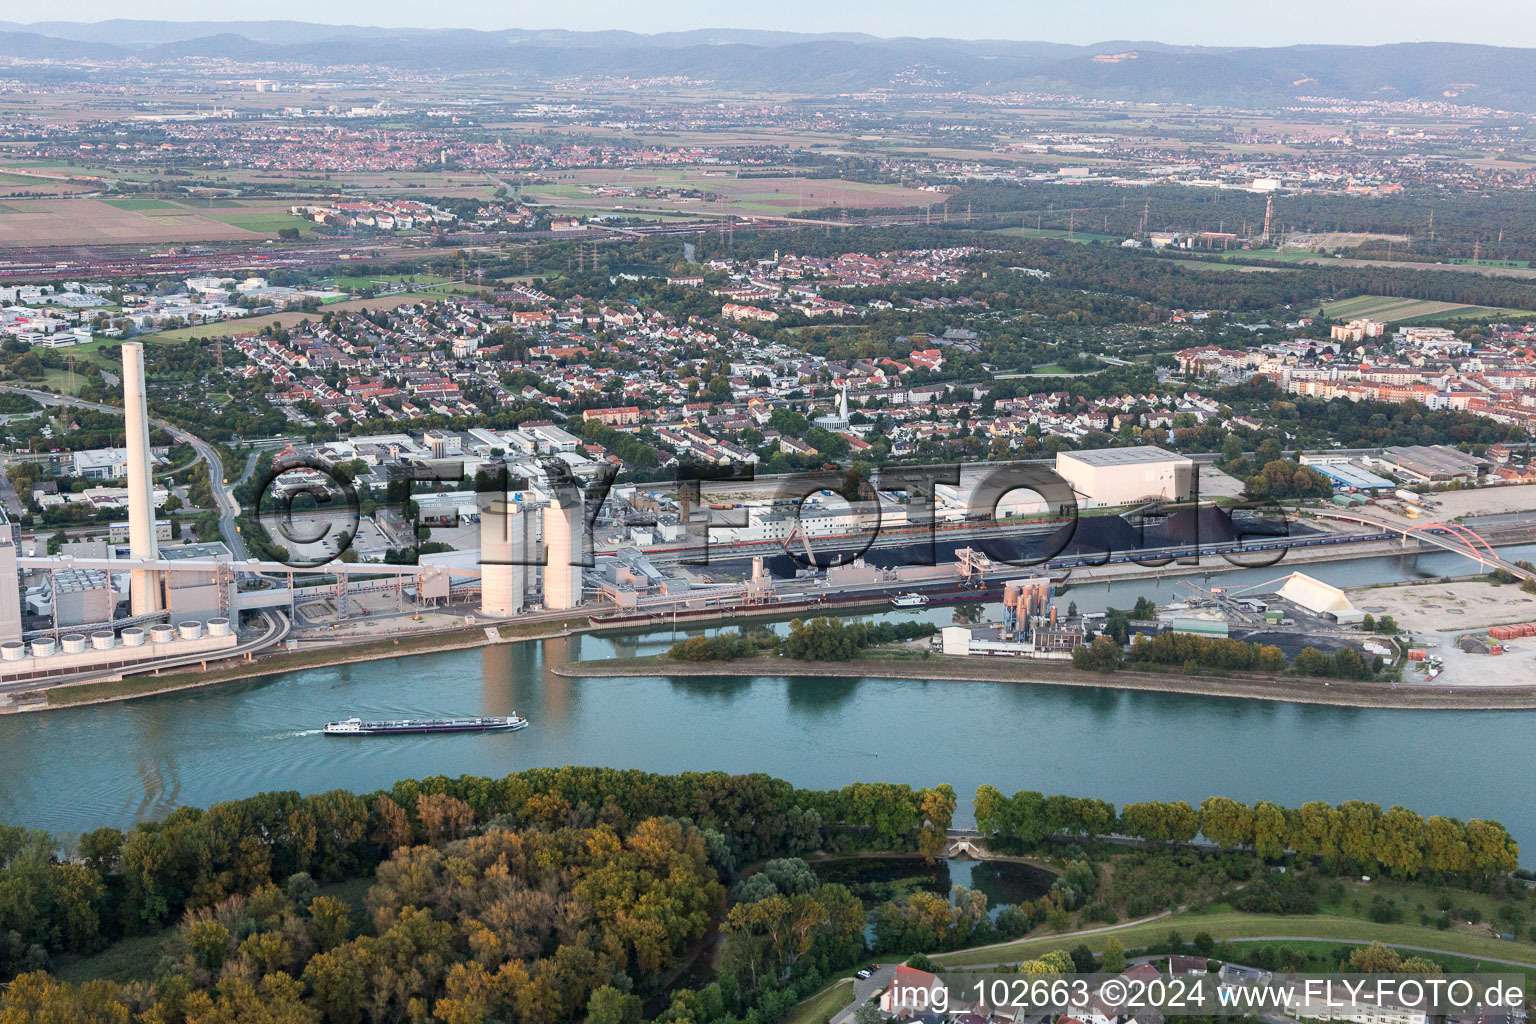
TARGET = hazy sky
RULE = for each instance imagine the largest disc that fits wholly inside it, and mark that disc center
(1207, 22)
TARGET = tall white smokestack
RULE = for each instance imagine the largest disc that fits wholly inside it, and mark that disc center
(144, 587)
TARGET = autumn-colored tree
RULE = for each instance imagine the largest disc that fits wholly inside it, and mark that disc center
(1400, 842)
(1493, 851)
(275, 999)
(392, 826)
(1114, 956)
(330, 921)
(547, 809)
(1373, 959)
(1357, 830)
(938, 809)
(1226, 822)
(443, 817)
(37, 998)
(1057, 961)
(1445, 846)
(1317, 830)
(1270, 831)
(1160, 822)
(610, 1006)
(990, 809)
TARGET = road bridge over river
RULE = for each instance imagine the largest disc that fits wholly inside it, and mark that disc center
(1453, 537)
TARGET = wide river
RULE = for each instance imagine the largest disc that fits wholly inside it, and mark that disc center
(114, 764)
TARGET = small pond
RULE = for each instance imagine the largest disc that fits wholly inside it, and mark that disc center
(877, 879)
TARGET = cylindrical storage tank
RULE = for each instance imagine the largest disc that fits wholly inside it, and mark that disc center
(161, 634)
(190, 630)
(133, 636)
(218, 627)
(43, 647)
(73, 643)
(13, 650)
(103, 640)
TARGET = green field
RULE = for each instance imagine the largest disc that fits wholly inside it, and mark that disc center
(1395, 310)
(23, 179)
(1272, 255)
(143, 204)
(353, 282)
(1233, 925)
(264, 223)
(1076, 236)
(1321, 958)
(817, 1009)
(1464, 261)
(1219, 266)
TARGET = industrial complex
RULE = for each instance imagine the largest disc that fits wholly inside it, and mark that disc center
(563, 543)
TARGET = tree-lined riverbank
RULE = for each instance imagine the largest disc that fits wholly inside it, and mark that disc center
(1290, 689)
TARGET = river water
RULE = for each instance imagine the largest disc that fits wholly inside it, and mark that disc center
(77, 769)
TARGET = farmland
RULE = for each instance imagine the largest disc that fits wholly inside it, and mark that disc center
(577, 190)
(92, 222)
(263, 222)
(1395, 310)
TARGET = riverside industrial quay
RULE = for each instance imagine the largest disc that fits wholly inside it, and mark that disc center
(142, 605)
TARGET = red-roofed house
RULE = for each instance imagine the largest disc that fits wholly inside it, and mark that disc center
(912, 990)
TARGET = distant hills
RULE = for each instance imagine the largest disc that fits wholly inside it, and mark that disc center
(741, 59)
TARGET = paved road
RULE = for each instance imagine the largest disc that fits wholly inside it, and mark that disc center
(863, 990)
(224, 501)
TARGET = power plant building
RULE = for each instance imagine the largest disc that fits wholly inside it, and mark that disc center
(1126, 476)
(77, 597)
(199, 594)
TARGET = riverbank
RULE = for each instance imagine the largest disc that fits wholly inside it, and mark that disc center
(133, 687)
(1287, 689)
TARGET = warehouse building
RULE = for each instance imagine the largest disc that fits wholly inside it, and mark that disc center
(1431, 464)
(1319, 598)
(1347, 476)
(1126, 476)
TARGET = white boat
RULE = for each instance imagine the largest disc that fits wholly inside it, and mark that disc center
(908, 601)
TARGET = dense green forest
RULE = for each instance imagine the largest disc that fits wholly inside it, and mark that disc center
(562, 894)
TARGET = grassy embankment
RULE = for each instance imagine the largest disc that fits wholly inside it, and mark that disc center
(818, 1008)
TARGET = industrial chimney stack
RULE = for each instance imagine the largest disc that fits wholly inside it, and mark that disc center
(144, 588)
